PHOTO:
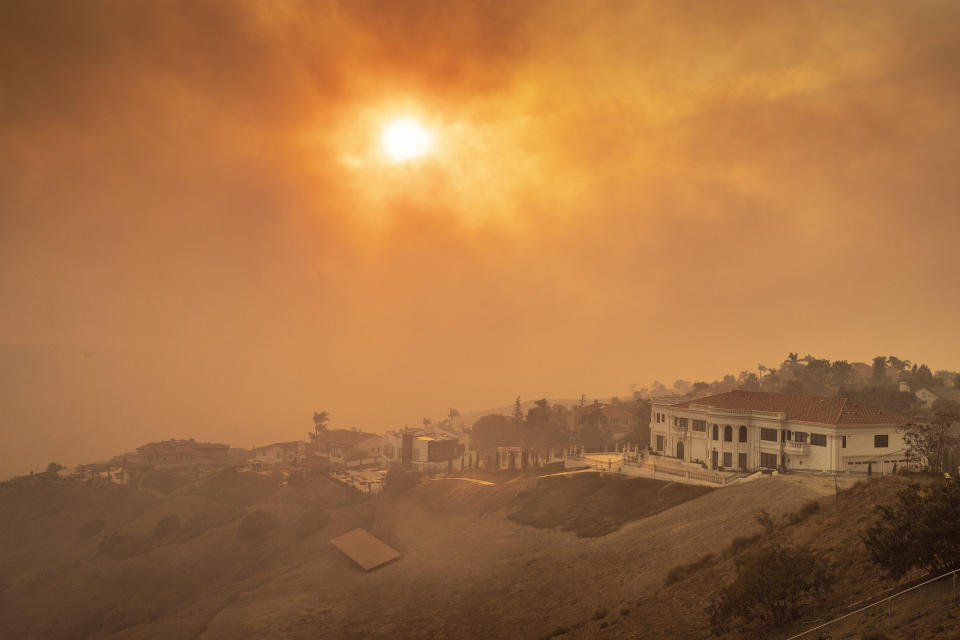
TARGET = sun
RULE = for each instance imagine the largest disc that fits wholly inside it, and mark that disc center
(404, 139)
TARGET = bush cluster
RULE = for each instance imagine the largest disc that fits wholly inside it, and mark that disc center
(919, 531)
(772, 587)
(311, 521)
(166, 526)
(684, 571)
(256, 524)
(804, 512)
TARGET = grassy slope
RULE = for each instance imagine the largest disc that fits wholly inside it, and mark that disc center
(466, 570)
(833, 533)
(593, 505)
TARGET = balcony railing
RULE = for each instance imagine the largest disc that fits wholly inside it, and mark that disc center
(777, 415)
(796, 448)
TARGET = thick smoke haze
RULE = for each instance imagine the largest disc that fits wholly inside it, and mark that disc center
(200, 238)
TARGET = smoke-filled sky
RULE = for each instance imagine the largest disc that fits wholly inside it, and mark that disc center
(201, 236)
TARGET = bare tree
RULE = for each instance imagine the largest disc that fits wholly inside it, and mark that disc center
(927, 444)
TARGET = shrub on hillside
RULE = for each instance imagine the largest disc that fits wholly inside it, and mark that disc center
(684, 571)
(399, 480)
(236, 488)
(166, 526)
(766, 520)
(123, 545)
(311, 521)
(304, 476)
(804, 512)
(742, 542)
(90, 528)
(771, 588)
(165, 480)
(256, 524)
(919, 531)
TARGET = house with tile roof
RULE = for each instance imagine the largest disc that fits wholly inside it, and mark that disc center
(751, 430)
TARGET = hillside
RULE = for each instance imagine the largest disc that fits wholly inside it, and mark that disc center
(467, 569)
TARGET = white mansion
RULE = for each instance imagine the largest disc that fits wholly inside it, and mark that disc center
(749, 430)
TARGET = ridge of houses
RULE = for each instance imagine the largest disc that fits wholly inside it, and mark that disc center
(738, 431)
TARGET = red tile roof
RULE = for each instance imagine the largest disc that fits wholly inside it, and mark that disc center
(800, 407)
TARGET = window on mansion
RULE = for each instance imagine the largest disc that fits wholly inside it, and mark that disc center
(881, 441)
(728, 433)
(799, 436)
(818, 439)
(700, 425)
(743, 434)
(770, 435)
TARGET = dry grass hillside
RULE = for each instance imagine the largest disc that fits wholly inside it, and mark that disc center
(239, 557)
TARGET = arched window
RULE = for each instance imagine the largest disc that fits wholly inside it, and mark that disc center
(743, 434)
(715, 436)
(728, 433)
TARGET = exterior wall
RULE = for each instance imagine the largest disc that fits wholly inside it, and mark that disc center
(280, 454)
(369, 448)
(927, 397)
(392, 444)
(442, 450)
(700, 446)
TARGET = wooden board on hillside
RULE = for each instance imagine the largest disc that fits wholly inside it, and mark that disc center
(366, 550)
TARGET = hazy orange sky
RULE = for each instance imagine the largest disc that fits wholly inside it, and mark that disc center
(200, 237)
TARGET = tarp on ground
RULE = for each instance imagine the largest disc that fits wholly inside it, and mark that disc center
(365, 549)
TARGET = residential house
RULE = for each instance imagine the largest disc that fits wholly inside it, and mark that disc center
(750, 430)
(183, 452)
(428, 449)
(929, 395)
(349, 447)
(281, 454)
